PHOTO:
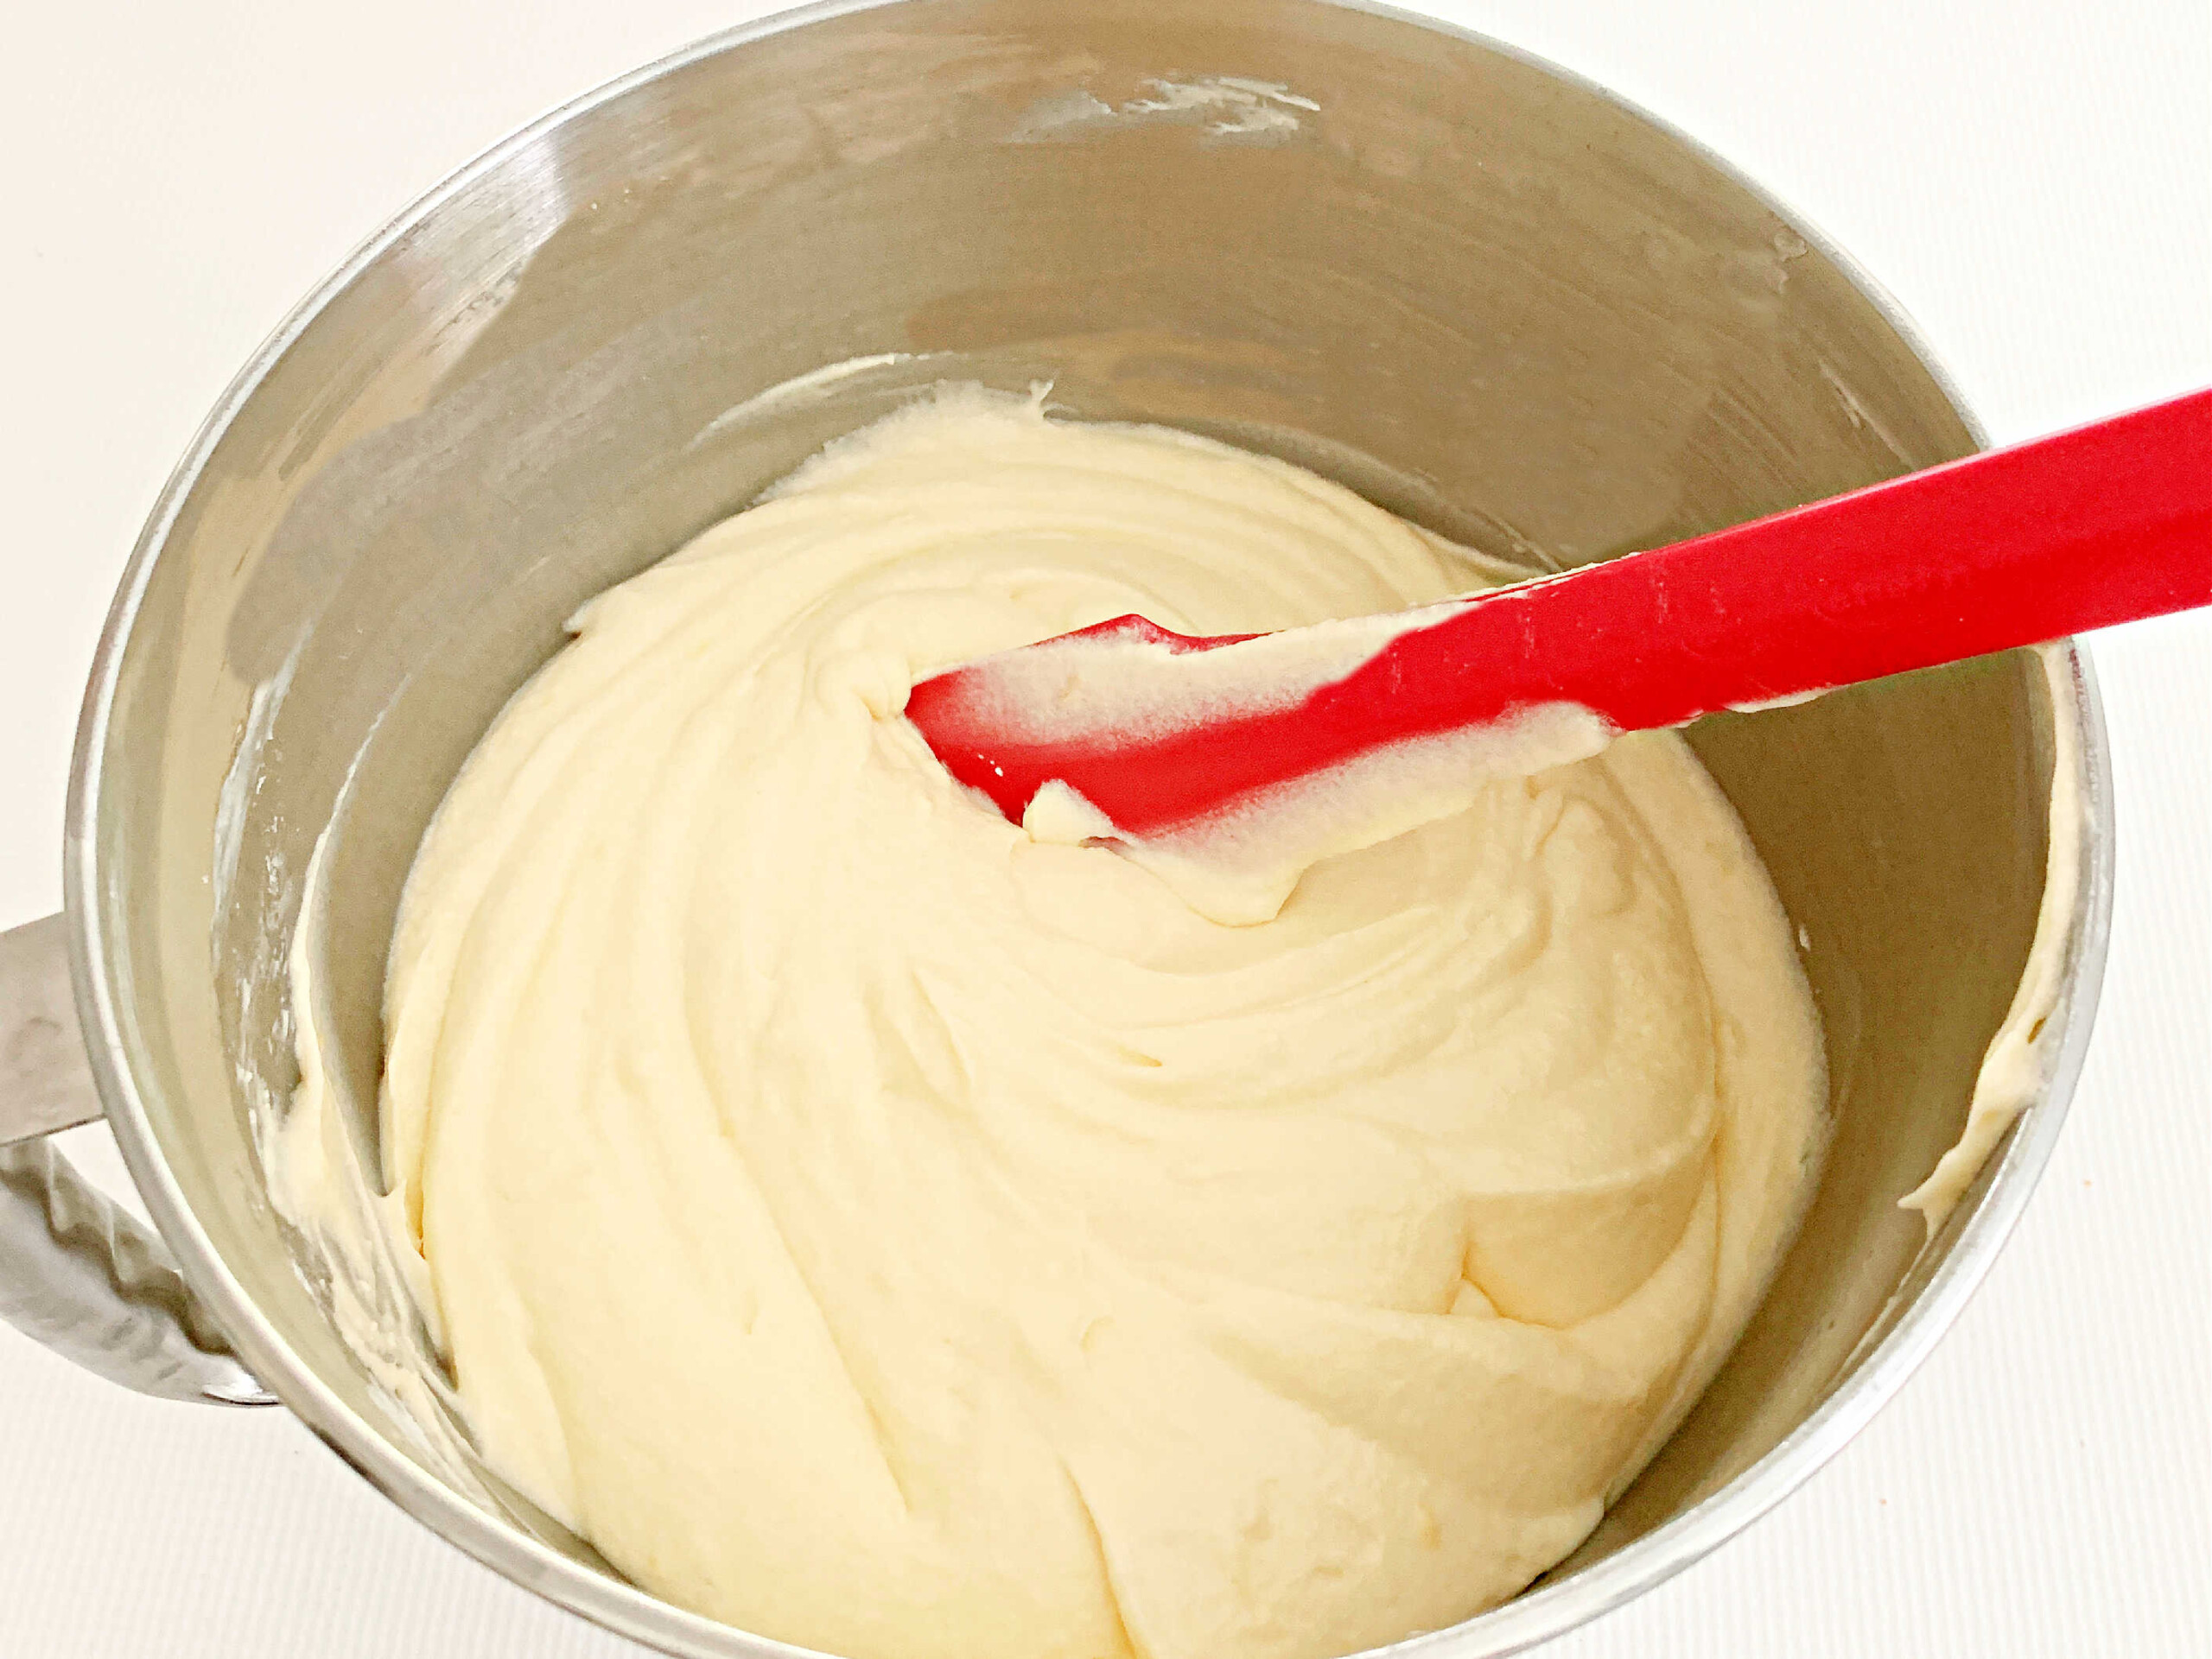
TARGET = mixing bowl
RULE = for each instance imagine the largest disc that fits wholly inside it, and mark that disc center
(1487, 295)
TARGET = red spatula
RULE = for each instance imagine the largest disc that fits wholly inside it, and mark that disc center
(1159, 731)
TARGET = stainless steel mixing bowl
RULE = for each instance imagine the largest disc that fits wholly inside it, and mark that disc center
(1486, 294)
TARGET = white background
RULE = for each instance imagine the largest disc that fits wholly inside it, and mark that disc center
(2031, 178)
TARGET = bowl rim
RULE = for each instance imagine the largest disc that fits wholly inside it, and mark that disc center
(1535, 1616)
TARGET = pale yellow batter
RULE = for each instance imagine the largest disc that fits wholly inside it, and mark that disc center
(883, 1232)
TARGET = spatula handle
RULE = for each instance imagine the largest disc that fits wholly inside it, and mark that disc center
(2105, 523)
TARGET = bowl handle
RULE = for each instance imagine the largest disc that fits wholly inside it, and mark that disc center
(78, 1273)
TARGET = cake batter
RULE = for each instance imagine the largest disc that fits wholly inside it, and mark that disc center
(883, 1230)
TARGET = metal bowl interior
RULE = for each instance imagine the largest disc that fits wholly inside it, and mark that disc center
(1487, 296)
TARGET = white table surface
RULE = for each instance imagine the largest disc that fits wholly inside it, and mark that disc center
(2031, 178)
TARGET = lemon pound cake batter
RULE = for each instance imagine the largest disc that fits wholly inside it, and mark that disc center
(885, 1231)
